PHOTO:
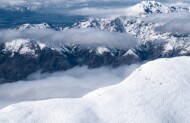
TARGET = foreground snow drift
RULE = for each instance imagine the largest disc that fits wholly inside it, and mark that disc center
(157, 92)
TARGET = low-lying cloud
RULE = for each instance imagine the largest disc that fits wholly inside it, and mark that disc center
(171, 22)
(100, 12)
(90, 37)
(70, 84)
(167, 17)
(176, 26)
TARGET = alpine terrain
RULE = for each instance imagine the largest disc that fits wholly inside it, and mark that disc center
(151, 94)
(34, 55)
(149, 34)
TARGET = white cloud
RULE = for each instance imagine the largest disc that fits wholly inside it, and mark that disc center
(176, 26)
(100, 12)
(46, 2)
(172, 22)
(63, 3)
(90, 37)
(72, 83)
(164, 18)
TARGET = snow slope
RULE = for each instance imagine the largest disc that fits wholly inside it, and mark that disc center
(157, 92)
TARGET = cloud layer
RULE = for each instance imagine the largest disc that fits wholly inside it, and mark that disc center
(66, 3)
(62, 3)
(90, 37)
(172, 22)
(72, 83)
(176, 26)
(99, 12)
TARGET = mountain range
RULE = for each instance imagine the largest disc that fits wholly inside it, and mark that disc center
(27, 56)
(156, 92)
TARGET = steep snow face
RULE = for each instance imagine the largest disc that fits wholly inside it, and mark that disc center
(22, 46)
(151, 94)
(33, 26)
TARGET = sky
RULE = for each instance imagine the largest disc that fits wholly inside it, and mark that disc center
(69, 3)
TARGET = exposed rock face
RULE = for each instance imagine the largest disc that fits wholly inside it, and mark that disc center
(17, 64)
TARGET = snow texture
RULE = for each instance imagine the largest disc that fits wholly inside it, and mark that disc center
(151, 94)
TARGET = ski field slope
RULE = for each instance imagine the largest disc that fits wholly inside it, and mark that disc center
(157, 92)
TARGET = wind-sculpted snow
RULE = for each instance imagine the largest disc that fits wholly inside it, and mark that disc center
(151, 94)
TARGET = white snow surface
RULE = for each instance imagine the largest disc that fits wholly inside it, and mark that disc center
(22, 46)
(157, 92)
(101, 50)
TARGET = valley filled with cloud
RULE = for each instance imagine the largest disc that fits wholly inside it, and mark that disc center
(73, 83)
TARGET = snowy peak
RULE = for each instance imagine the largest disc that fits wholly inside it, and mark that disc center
(102, 50)
(114, 24)
(146, 8)
(130, 52)
(33, 26)
(22, 46)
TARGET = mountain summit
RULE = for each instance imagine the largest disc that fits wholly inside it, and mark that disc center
(146, 8)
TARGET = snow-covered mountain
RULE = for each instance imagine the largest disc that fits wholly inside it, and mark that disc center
(21, 46)
(146, 8)
(36, 55)
(33, 26)
(142, 29)
(151, 94)
(151, 44)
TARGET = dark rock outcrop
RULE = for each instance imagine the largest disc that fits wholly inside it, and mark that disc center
(15, 66)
